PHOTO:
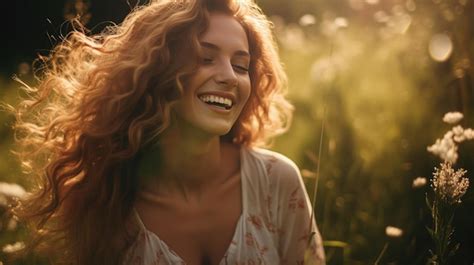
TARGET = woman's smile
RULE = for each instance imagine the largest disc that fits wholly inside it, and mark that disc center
(218, 101)
(221, 101)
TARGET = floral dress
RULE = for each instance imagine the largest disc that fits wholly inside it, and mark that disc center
(274, 225)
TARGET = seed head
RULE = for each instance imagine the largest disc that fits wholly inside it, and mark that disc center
(448, 184)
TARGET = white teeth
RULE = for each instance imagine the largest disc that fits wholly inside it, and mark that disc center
(216, 99)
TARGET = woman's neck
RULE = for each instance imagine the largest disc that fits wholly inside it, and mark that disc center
(186, 165)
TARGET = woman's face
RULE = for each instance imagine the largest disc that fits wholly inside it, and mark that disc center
(218, 91)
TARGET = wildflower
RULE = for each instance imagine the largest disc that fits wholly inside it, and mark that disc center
(341, 22)
(452, 155)
(469, 134)
(460, 138)
(458, 134)
(452, 117)
(330, 27)
(307, 20)
(457, 130)
(392, 231)
(11, 190)
(449, 185)
(419, 182)
(445, 148)
(10, 248)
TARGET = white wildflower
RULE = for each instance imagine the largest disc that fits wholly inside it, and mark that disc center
(307, 20)
(448, 135)
(341, 22)
(445, 148)
(469, 134)
(452, 117)
(449, 185)
(392, 231)
(457, 130)
(12, 190)
(452, 155)
(459, 138)
(10, 248)
(330, 27)
(419, 182)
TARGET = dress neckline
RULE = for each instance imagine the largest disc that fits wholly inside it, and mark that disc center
(236, 229)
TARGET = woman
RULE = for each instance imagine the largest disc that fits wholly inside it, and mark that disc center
(144, 138)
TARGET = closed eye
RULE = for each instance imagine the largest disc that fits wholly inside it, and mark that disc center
(207, 60)
(241, 68)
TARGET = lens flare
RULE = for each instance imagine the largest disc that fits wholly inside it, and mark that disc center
(440, 47)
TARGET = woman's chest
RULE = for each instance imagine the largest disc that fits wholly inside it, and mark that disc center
(198, 236)
(199, 240)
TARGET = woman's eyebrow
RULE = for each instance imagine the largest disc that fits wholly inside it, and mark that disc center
(215, 47)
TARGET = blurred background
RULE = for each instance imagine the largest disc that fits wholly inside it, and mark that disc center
(380, 74)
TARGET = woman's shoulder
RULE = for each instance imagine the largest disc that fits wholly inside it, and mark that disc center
(277, 166)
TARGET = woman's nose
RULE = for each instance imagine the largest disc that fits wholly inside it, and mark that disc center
(226, 74)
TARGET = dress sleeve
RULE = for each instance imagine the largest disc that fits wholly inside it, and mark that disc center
(294, 217)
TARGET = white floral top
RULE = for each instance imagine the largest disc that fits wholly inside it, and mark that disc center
(273, 227)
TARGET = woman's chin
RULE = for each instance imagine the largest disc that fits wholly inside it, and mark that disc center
(218, 131)
(207, 129)
(213, 127)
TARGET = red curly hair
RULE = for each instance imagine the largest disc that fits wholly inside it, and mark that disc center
(101, 99)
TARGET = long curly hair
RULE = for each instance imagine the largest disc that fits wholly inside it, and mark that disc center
(102, 98)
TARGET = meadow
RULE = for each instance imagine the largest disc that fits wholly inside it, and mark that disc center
(371, 82)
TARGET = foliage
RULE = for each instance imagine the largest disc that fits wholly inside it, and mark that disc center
(381, 74)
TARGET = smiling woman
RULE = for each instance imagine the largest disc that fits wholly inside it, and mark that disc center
(219, 89)
(143, 141)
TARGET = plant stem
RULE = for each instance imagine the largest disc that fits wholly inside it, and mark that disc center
(381, 254)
